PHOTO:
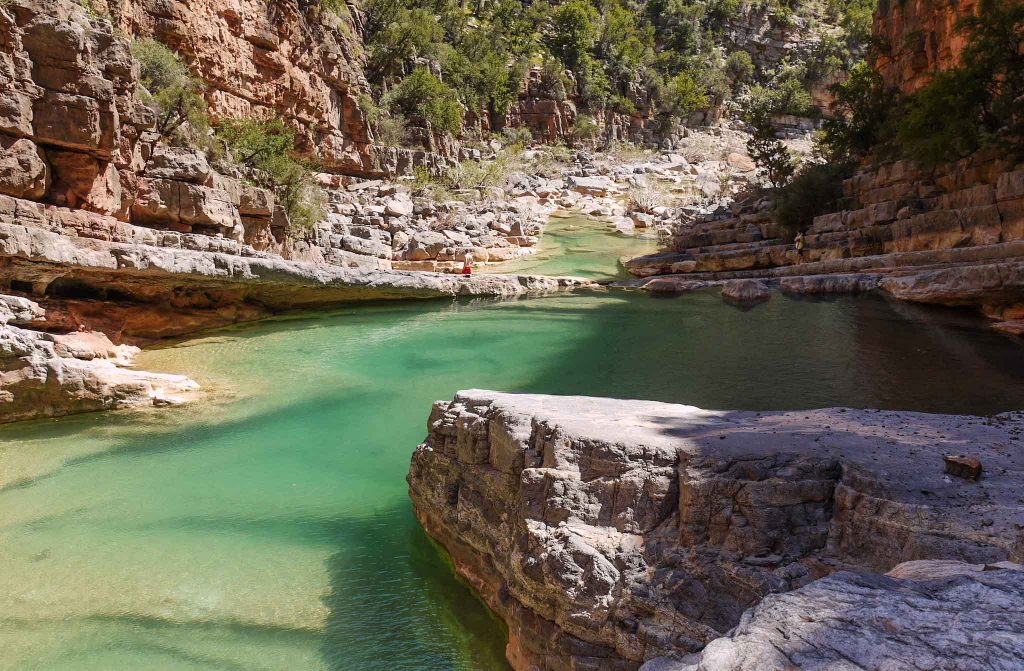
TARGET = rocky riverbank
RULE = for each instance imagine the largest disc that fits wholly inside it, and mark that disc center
(950, 236)
(609, 533)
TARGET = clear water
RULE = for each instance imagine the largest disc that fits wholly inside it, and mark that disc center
(268, 527)
(580, 246)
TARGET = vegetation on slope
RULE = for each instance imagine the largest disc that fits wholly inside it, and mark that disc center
(661, 58)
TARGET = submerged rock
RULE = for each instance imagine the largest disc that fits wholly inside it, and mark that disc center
(607, 533)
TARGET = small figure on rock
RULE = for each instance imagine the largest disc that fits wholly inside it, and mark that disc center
(467, 263)
(798, 242)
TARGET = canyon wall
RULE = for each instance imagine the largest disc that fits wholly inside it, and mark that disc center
(299, 61)
(952, 234)
(917, 38)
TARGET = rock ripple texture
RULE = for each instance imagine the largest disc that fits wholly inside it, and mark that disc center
(607, 533)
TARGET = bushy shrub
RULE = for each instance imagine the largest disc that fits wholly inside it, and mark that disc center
(422, 95)
(642, 199)
(739, 67)
(786, 94)
(585, 128)
(266, 149)
(815, 190)
(169, 87)
(389, 129)
(517, 137)
(684, 94)
(773, 159)
(860, 109)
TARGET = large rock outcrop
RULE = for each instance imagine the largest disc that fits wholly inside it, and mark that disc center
(607, 533)
(48, 375)
(299, 61)
(918, 38)
(139, 283)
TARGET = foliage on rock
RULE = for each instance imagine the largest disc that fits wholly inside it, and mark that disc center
(978, 103)
(169, 87)
(814, 190)
(266, 150)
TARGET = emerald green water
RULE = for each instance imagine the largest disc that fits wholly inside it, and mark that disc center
(581, 246)
(268, 527)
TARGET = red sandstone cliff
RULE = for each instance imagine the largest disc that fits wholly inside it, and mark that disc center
(917, 38)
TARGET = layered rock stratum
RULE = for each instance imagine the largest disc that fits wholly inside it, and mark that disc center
(608, 533)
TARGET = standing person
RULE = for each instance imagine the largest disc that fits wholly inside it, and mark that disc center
(798, 242)
(467, 263)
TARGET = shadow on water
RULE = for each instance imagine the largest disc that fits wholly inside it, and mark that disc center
(412, 614)
(791, 353)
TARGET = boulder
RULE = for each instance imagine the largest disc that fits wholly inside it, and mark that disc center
(957, 618)
(425, 245)
(746, 291)
(179, 163)
(591, 186)
(24, 172)
(398, 208)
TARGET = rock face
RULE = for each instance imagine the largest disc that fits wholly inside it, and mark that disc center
(958, 618)
(48, 375)
(297, 61)
(921, 37)
(607, 533)
(89, 264)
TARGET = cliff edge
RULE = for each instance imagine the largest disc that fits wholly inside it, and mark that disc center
(607, 533)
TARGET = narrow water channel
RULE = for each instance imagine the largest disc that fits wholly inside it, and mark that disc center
(268, 527)
(582, 246)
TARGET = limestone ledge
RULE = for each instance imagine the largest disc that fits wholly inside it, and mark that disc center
(607, 532)
(48, 375)
(68, 268)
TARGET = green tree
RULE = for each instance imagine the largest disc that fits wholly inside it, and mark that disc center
(421, 94)
(266, 150)
(173, 92)
(860, 110)
(739, 67)
(772, 157)
(683, 94)
(572, 32)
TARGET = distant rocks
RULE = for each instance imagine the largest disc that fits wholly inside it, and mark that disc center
(746, 291)
(607, 533)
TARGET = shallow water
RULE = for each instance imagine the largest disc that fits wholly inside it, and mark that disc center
(580, 246)
(268, 527)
